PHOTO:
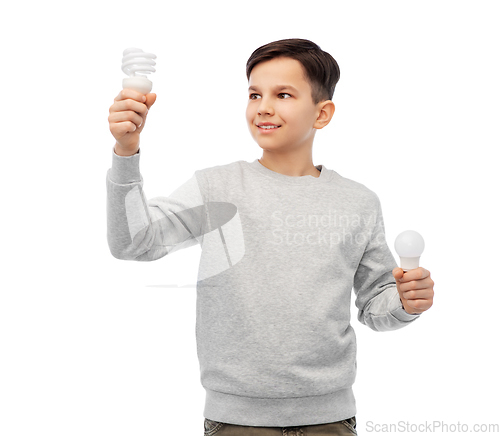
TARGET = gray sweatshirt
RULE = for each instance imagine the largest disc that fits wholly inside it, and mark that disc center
(280, 256)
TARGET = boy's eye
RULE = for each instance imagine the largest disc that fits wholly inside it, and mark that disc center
(254, 96)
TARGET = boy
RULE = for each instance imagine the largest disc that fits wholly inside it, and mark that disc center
(283, 244)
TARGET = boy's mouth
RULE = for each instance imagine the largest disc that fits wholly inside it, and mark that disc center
(267, 127)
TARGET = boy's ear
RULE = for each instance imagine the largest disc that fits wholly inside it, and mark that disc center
(327, 109)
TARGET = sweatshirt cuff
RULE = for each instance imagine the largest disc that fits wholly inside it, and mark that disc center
(125, 169)
(396, 308)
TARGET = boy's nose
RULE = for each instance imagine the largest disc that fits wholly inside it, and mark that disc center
(265, 108)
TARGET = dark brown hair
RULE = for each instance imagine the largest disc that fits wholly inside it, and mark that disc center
(321, 69)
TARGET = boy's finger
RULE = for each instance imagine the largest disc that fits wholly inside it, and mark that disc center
(415, 285)
(150, 99)
(418, 294)
(129, 105)
(415, 274)
(127, 93)
(397, 273)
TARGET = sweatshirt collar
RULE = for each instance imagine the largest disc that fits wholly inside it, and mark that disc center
(295, 180)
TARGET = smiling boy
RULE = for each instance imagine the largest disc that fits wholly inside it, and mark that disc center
(276, 348)
(280, 96)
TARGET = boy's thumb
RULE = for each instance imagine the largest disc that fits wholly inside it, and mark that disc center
(398, 273)
(150, 99)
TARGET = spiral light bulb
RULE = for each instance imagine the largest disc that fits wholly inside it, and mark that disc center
(409, 245)
(135, 61)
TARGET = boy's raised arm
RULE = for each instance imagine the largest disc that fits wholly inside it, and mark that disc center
(138, 228)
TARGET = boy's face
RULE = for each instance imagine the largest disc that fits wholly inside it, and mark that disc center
(279, 94)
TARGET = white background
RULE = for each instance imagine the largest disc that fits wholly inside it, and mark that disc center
(91, 346)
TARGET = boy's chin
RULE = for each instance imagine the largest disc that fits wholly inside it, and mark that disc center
(271, 146)
(267, 147)
(268, 142)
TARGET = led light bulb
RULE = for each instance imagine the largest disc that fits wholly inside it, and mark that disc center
(409, 245)
(135, 61)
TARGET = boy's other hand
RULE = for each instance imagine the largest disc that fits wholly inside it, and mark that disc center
(127, 117)
(416, 289)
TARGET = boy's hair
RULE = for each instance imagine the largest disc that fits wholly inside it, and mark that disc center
(321, 69)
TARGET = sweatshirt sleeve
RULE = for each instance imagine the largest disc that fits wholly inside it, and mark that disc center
(377, 297)
(146, 230)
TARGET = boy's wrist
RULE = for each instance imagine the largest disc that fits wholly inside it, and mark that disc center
(125, 169)
(122, 153)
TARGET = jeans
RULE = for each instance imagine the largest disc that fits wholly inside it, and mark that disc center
(347, 427)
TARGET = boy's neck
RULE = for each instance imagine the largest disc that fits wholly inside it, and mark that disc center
(288, 166)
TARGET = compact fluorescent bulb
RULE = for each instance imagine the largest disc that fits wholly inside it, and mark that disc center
(135, 61)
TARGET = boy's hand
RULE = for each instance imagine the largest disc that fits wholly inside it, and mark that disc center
(127, 117)
(416, 289)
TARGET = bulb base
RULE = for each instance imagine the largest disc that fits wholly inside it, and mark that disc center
(408, 263)
(138, 83)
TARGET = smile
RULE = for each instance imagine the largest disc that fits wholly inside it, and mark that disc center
(268, 129)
